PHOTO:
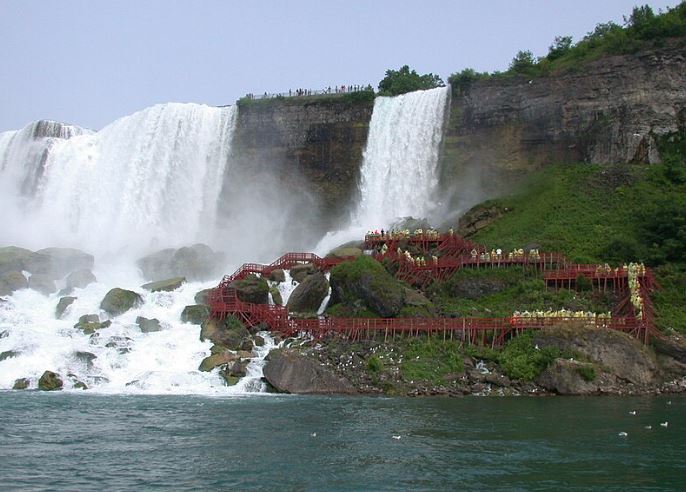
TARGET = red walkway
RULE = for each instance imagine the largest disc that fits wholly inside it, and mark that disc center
(486, 331)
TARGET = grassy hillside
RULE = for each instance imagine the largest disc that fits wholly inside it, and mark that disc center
(614, 214)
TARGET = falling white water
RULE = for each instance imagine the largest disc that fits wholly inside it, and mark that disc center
(152, 178)
(399, 172)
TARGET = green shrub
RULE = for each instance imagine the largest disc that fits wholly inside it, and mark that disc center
(405, 80)
(374, 364)
(587, 373)
(521, 360)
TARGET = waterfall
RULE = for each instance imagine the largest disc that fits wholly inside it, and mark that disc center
(399, 172)
(149, 178)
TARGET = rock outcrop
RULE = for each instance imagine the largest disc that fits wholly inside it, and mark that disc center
(309, 294)
(290, 372)
(12, 281)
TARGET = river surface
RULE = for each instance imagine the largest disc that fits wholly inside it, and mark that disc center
(107, 442)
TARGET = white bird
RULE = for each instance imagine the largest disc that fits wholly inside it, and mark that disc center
(623, 434)
(664, 424)
(669, 402)
(633, 412)
(396, 437)
(314, 434)
(648, 427)
(536, 347)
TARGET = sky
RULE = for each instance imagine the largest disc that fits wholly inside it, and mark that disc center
(89, 62)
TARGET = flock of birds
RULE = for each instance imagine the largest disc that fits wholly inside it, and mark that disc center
(647, 427)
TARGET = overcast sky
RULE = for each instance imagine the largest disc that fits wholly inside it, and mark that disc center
(89, 62)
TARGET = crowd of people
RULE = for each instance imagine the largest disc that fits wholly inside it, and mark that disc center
(338, 89)
(395, 235)
(592, 318)
(499, 255)
(635, 270)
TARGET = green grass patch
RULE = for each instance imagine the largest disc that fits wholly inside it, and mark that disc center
(521, 360)
(430, 360)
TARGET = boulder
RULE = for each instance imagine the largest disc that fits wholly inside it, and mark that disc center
(259, 341)
(121, 343)
(276, 296)
(290, 372)
(62, 306)
(63, 261)
(365, 280)
(167, 285)
(42, 283)
(195, 314)
(618, 353)
(277, 275)
(9, 354)
(21, 384)
(80, 279)
(674, 347)
(197, 262)
(246, 345)
(237, 369)
(227, 333)
(415, 298)
(216, 360)
(300, 271)
(117, 301)
(411, 224)
(203, 296)
(85, 358)
(346, 251)
(12, 281)
(80, 385)
(252, 289)
(4, 334)
(50, 381)
(309, 294)
(566, 377)
(13, 259)
(90, 323)
(148, 325)
(157, 265)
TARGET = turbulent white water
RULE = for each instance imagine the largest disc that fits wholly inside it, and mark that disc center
(399, 172)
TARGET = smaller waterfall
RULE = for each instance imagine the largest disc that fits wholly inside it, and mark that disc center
(253, 380)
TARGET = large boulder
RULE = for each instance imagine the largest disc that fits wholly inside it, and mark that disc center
(568, 377)
(309, 294)
(167, 285)
(21, 384)
(352, 249)
(42, 283)
(11, 282)
(50, 381)
(64, 260)
(62, 305)
(217, 359)
(290, 372)
(252, 289)
(84, 358)
(227, 333)
(8, 354)
(13, 259)
(365, 280)
(117, 301)
(90, 323)
(148, 325)
(203, 297)
(277, 275)
(80, 279)
(616, 352)
(195, 314)
(300, 271)
(197, 262)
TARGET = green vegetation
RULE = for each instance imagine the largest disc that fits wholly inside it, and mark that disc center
(405, 80)
(642, 29)
(491, 293)
(587, 373)
(430, 360)
(363, 96)
(520, 359)
(374, 364)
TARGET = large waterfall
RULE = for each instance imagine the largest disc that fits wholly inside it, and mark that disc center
(399, 173)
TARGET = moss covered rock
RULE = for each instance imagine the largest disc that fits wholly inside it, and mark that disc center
(195, 314)
(21, 384)
(148, 325)
(203, 296)
(277, 275)
(50, 381)
(300, 271)
(366, 281)
(218, 359)
(252, 289)
(90, 323)
(117, 301)
(227, 333)
(309, 294)
(167, 285)
(62, 305)
(276, 296)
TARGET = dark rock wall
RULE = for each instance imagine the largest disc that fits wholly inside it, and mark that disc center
(606, 111)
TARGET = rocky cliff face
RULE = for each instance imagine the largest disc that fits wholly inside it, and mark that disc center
(312, 146)
(606, 111)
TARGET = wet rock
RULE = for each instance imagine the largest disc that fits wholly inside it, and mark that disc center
(64, 260)
(80, 385)
(350, 250)
(289, 372)
(148, 325)
(197, 262)
(90, 323)
(80, 279)
(11, 282)
(117, 301)
(167, 285)
(9, 354)
(21, 384)
(566, 377)
(277, 275)
(259, 341)
(203, 296)
(122, 344)
(50, 381)
(13, 259)
(62, 306)
(42, 283)
(237, 369)
(228, 333)
(246, 345)
(219, 359)
(309, 294)
(300, 271)
(195, 314)
(478, 218)
(252, 289)
(4, 334)
(276, 296)
(85, 358)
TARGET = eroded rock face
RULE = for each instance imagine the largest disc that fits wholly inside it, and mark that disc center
(309, 294)
(117, 301)
(289, 372)
(568, 377)
(21, 384)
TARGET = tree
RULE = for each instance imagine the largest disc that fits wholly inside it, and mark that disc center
(405, 80)
(523, 61)
(560, 47)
